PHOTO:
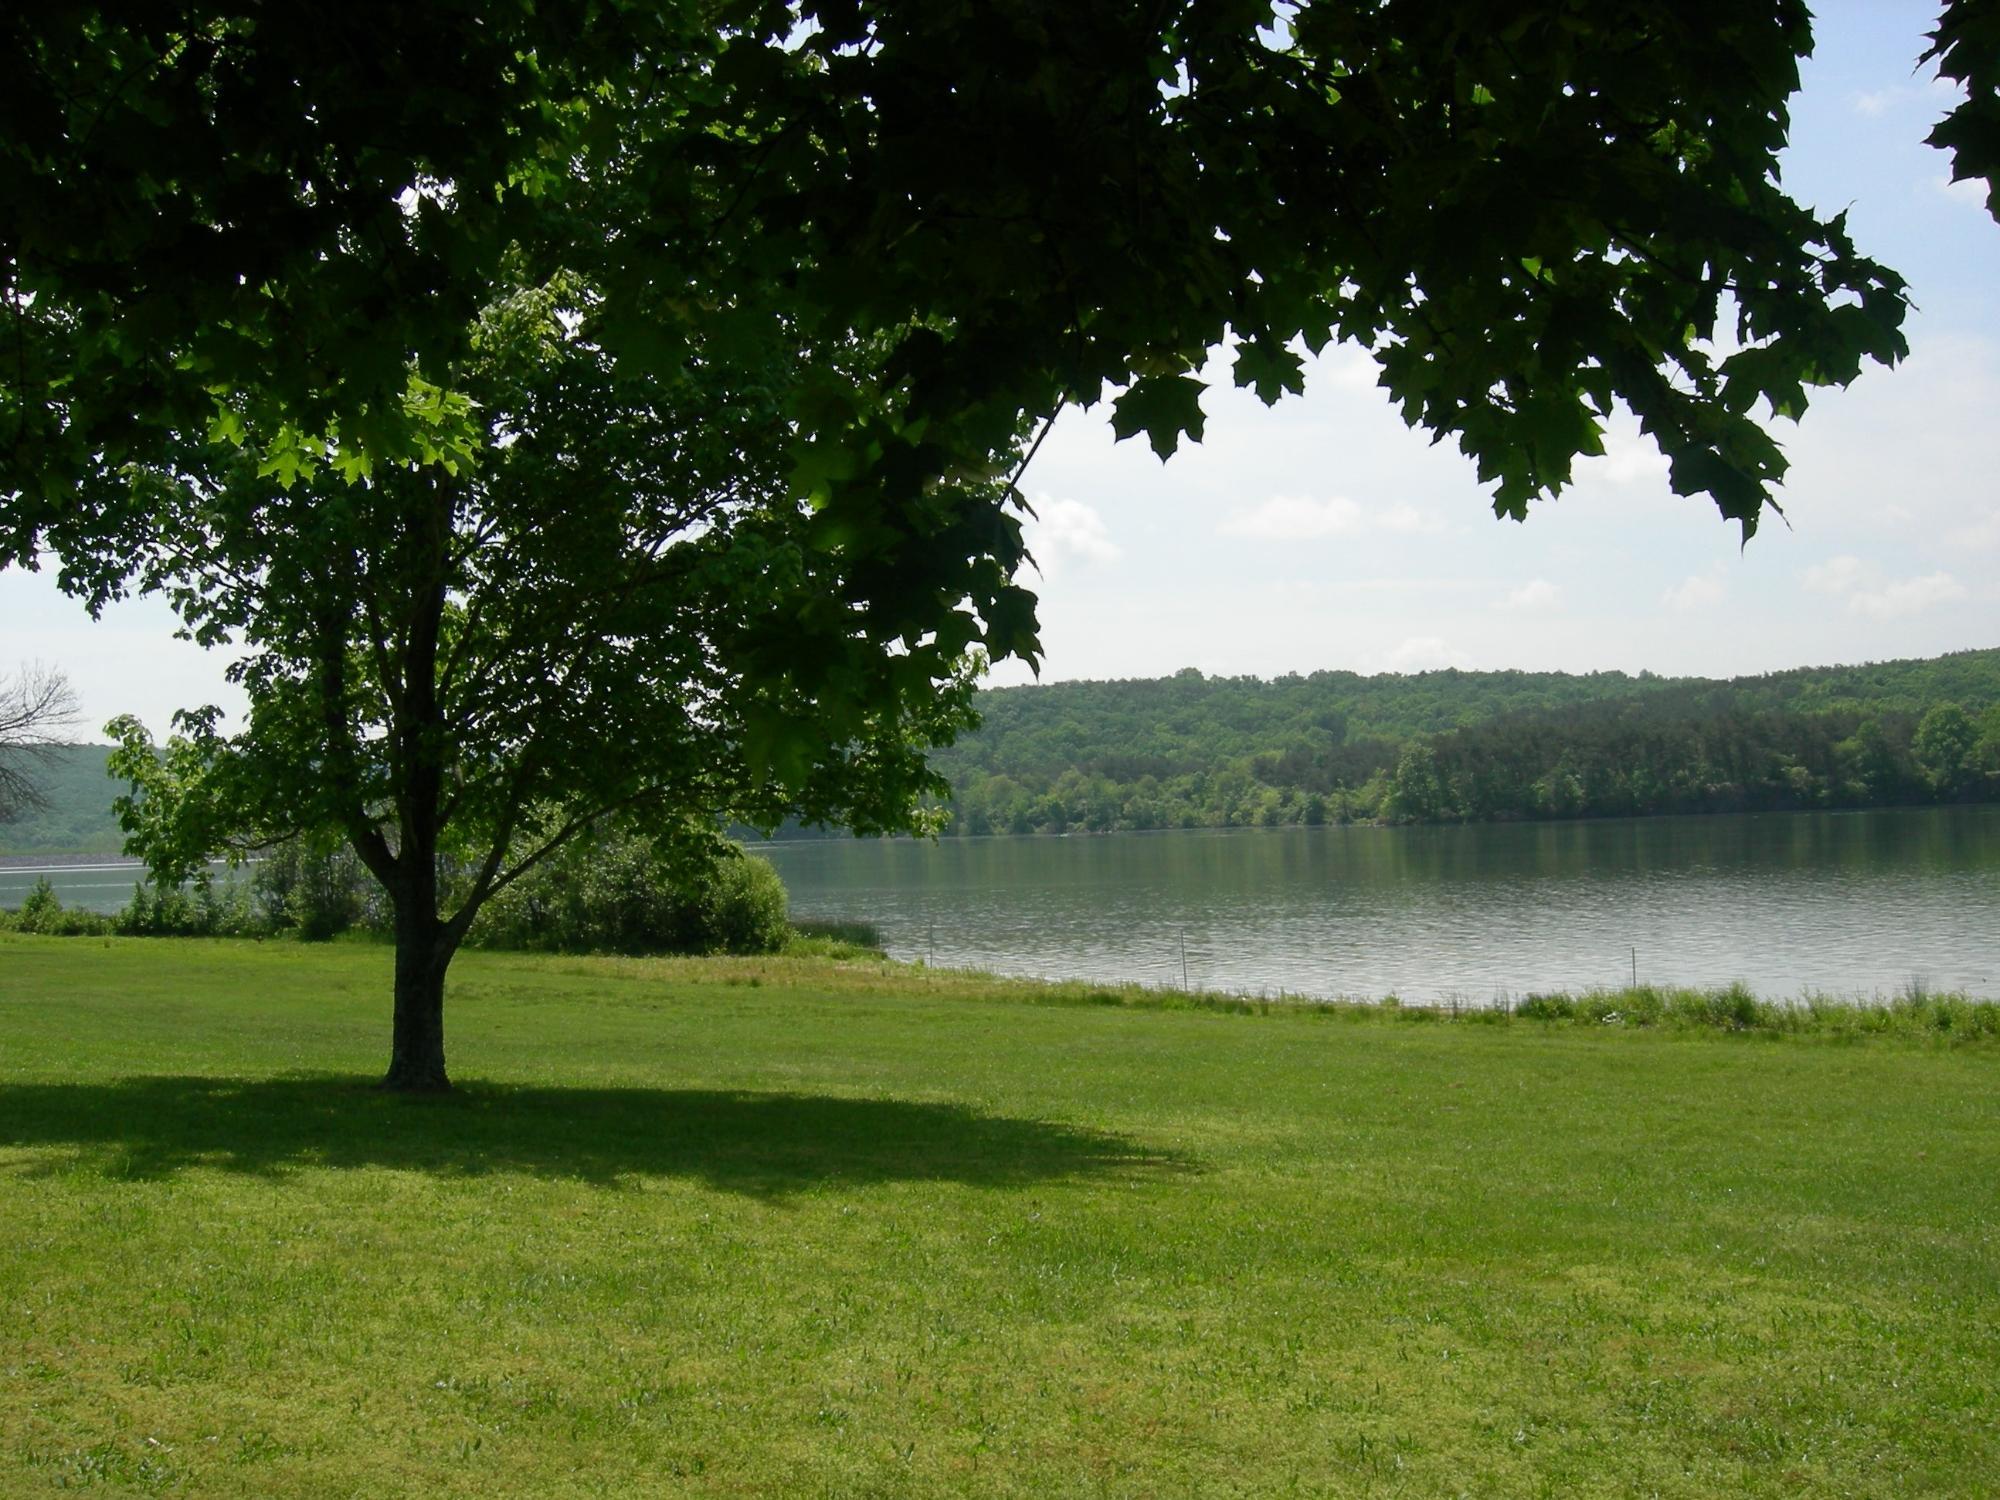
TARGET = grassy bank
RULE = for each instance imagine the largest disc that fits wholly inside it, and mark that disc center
(791, 1226)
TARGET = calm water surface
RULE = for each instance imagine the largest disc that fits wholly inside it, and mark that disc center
(1855, 904)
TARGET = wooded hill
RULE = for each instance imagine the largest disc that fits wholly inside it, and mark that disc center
(1190, 751)
(1195, 751)
(78, 818)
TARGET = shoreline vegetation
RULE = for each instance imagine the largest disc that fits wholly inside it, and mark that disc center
(778, 1225)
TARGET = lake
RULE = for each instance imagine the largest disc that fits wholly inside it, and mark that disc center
(1857, 904)
(1860, 904)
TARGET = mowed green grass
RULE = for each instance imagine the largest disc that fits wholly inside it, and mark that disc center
(793, 1227)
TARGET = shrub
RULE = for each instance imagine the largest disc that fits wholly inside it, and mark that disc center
(620, 893)
(320, 893)
(746, 906)
(207, 909)
(40, 910)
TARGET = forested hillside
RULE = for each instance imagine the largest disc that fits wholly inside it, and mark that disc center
(78, 817)
(1192, 751)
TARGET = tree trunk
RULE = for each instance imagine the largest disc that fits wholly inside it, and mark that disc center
(424, 942)
(423, 952)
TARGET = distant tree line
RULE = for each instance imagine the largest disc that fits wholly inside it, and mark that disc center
(1190, 751)
(1634, 759)
(1196, 752)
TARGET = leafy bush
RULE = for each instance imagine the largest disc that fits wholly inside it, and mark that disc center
(746, 906)
(40, 908)
(205, 909)
(619, 893)
(319, 893)
(41, 912)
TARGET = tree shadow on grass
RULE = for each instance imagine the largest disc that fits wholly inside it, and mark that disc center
(765, 1145)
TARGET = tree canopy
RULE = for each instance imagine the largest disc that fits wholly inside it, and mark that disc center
(583, 405)
(1530, 212)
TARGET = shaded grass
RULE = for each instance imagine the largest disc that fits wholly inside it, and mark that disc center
(767, 1144)
(793, 1226)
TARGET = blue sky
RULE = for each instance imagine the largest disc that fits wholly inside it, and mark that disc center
(1323, 534)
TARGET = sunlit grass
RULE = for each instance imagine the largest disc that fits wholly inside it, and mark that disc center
(796, 1225)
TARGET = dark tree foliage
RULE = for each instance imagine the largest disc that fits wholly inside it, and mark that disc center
(1966, 49)
(1531, 211)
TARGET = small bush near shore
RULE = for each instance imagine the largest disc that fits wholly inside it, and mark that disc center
(41, 912)
(625, 895)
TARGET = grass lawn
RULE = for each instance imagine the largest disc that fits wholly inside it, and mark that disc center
(794, 1227)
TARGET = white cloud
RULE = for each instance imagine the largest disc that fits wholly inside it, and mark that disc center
(1405, 519)
(1836, 575)
(1698, 591)
(1535, 595)
(1350, 368)
(1867, 594)
(1970, 190)
(1981, 536)
(1292, 518)
(1935, 92)
(1064, 529)
(1629, 458)
(1907, 596)
(1426, 653)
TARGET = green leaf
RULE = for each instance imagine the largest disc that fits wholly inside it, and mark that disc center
(1271, 370)
(1163, 407)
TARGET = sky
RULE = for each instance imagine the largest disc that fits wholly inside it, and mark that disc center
(1322, 533)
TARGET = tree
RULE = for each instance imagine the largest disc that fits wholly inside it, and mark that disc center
(1946, 743)
(1419, 791)
(590, 405)
(36, 705)
(615, 613)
